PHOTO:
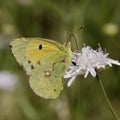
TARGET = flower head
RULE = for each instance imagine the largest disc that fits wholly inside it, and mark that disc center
(8, 81)
(88, 61)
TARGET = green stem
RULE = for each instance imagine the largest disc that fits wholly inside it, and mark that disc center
(107, 100)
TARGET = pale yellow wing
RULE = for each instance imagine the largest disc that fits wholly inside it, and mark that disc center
(46, 62)
(29, 51)
(46, 80)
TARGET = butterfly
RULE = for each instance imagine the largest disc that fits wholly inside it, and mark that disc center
(45, 61)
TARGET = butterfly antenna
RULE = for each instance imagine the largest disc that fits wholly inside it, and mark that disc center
(73, 35)
(80, 28)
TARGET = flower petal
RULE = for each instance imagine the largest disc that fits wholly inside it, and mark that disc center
(116, 62)
(71, 81)
(86, 73)
(93, 72)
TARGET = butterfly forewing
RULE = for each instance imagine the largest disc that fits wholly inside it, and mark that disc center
(46, 62)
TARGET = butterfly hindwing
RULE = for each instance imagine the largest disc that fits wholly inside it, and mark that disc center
(46, 80)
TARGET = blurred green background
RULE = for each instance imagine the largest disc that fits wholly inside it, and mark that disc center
(56, 19)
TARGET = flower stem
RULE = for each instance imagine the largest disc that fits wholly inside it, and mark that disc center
(106, 98)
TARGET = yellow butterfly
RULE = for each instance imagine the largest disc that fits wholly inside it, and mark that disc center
(45, 61)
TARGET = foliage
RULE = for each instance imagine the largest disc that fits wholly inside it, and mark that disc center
(55, 20)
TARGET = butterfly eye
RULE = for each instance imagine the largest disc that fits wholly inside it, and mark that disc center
(74, 63)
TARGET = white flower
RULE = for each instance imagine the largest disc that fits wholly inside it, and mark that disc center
(8, 81)
(88, 61)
